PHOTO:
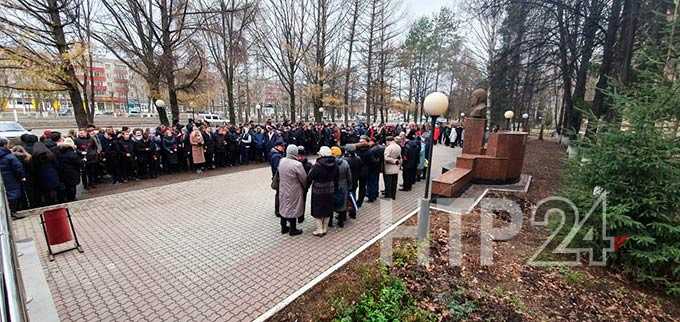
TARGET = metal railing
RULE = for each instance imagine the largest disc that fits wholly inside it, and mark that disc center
(13, 306)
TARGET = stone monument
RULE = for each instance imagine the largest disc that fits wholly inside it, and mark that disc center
(499, 161)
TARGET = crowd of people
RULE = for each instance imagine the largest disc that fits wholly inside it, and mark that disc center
(45, 170)
(347, 175)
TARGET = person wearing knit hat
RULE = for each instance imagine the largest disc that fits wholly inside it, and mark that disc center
(323, 180)
(291, 191)
(292, 151)
(69, 169)
(336, 151)
(325, 151)
(342, 187)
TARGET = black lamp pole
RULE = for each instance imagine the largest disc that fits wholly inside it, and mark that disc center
(430, 147)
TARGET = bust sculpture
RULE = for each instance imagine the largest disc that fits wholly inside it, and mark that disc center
(478, 103)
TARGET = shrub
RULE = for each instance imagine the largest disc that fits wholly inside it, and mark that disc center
(638, 166)
(390, 301)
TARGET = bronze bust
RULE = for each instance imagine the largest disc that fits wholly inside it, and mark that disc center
(478, 103)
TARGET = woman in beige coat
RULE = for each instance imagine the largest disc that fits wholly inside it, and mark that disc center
(292, 185)
(196, 140)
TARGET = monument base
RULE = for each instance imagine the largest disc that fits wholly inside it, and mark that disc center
(500, 162)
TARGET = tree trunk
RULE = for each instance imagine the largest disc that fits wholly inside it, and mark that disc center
(600, 104)
(66, 64)
(348, 71)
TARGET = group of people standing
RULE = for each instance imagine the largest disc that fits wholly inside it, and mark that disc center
(343, 178)
(45, 170)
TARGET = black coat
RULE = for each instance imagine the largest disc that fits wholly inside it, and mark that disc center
(69, 166)
(45, 164)
(323, 179)
(12, 173)
(221, 143)
(411, 154)
(87, 148)
(127, 150)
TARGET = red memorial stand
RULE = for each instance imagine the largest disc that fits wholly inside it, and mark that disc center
(58, 229)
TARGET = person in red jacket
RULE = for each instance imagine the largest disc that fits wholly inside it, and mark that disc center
(437, 133)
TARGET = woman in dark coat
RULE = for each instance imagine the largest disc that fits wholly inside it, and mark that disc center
(12, 175)
(47, 178)
(170, 151)
(323, 179)
(69, 168)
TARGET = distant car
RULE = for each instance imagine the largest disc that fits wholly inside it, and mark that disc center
(212, 118)
(12, 131)
(64, 111)
(134, 113)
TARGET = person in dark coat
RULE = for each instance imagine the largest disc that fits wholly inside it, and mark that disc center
(221, 147)
(127, 157)
(142, 153)
(276, 155)
(233, 147)
(259, 143)
(87, 149)
(356, 166)
(109, 143)
(45, 164)
(410, 156)
(69, 169)
(246, 141)
(13, 175)
(323, 180)
(209, 145)
(270, 139)
(170, 152)
(376, 156)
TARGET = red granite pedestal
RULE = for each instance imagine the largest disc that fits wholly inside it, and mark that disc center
(499, 162)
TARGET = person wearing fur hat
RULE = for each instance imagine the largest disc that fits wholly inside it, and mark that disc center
(291, 192)
(70, 165)
(342, 189)
(323, 178)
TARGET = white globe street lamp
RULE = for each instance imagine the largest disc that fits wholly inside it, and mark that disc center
(435, 105)
(259, 113)
(508, 115)
(160, 103)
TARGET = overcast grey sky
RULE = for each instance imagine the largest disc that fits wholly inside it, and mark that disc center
(417, 8)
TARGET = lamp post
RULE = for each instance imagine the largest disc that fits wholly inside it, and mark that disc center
(193, 114)
(259, 113)
(321, 113)
(508, 117)
(525, 122)
(462, 116)
(435, 105)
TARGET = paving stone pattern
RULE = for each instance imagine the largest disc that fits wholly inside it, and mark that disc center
(203, 250)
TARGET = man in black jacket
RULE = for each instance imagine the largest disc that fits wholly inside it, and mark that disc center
(410, 157)
(87, 149)
(376, 157)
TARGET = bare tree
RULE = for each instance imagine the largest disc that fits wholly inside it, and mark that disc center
(356, 6)
(154, 38)
(224, 32)
(38, 37)
(282, 40)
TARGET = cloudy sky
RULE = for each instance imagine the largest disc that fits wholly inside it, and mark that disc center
(417, 8)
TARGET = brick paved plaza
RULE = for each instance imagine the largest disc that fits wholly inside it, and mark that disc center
(204, 250)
